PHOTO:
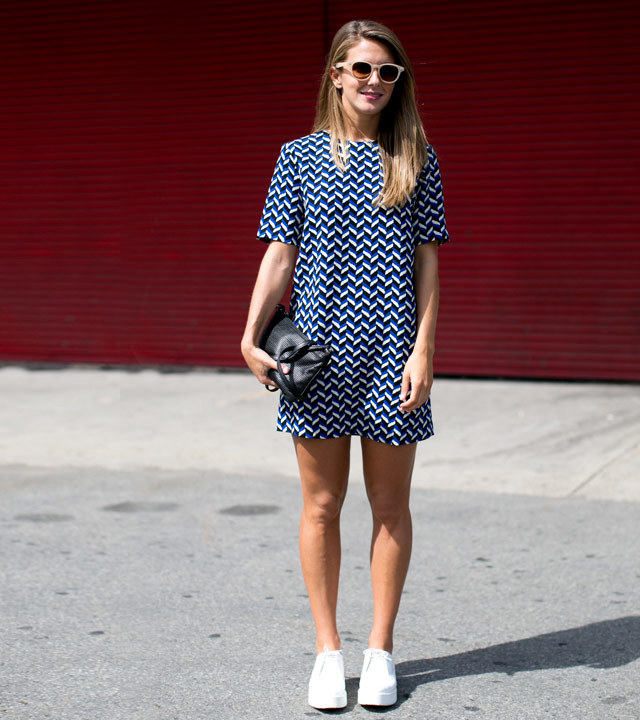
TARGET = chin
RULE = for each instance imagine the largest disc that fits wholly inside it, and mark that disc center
(369, 110)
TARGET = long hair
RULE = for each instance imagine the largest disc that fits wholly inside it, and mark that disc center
(401, 137)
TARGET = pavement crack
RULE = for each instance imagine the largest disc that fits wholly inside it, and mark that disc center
(602, 467)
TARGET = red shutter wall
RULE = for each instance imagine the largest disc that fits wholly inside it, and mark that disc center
(137, 141)
(137, 144)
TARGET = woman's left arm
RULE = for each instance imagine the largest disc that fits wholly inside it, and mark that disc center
(418, 371)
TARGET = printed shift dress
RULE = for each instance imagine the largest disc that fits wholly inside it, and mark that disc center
(352, 285)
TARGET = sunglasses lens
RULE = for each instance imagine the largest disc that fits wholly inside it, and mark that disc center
(389, 73)
(361, 70)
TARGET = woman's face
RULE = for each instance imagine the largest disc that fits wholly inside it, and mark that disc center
(361, 98)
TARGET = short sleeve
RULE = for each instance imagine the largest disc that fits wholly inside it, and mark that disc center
(283, 213)
(428, 221)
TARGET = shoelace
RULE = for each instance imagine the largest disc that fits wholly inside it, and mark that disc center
(331, 653)
(375, 652)
(330, 656)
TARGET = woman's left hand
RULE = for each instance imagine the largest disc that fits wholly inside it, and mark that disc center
(417, 377)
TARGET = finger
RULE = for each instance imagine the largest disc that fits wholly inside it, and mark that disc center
(417, 399)
(407, 406)
(266, 380)
(406, 383)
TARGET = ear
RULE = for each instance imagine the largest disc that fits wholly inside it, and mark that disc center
(335, 78)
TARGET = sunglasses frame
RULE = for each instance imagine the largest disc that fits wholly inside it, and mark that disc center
(373, 67)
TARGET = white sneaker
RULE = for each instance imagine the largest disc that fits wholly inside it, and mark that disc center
(378, 685)
(326, 686)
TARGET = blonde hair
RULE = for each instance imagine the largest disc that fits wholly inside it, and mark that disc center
(401, 137)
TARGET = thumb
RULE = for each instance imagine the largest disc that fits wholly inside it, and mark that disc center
(268, 361)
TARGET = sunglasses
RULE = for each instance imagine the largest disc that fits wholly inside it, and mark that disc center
(361, 70)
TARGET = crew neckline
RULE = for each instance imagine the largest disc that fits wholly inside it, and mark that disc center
(354, 142)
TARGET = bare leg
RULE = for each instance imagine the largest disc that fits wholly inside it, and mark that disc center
(387, 471)
(324, 473)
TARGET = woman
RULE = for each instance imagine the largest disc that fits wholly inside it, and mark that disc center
(354, 212)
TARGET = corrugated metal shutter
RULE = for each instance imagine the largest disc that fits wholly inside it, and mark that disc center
(137, 140)
(137, 144)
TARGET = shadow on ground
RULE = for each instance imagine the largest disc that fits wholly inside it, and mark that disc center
(601, 645)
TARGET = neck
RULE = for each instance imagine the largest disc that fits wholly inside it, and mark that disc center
(362, 128)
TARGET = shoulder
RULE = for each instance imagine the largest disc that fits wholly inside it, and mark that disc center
(307, 145)
(430, 169)
(432, 158)
(429, 177)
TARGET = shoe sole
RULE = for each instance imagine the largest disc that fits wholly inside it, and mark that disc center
(328, 703)
(368, 697)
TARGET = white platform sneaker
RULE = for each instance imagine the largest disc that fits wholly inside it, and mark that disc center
(378, 685)
(327, 687)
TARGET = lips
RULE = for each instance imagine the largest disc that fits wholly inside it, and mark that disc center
(372, 95)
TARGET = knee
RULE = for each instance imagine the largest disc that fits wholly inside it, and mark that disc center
(323, 508)
(389, 511)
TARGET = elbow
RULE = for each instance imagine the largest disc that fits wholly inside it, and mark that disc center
(283, 257)
(426, 265)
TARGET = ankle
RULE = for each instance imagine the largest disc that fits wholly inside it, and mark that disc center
(329, 642)
(381, 642)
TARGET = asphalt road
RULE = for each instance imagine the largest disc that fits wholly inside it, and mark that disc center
(166, 585)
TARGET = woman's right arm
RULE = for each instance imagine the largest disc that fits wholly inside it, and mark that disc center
(275, 272)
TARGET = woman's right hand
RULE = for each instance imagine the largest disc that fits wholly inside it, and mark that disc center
(260, 363)
(275, 273)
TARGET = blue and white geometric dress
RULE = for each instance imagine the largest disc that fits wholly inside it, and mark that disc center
(352, 285)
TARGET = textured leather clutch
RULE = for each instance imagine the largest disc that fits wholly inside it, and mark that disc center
(287, 344)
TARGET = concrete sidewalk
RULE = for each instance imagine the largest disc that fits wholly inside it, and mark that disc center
(534, 438)
(148, 531)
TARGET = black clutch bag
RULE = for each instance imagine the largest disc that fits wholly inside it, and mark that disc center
(287, 344)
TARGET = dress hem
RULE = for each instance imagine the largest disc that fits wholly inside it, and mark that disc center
(354, 434)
